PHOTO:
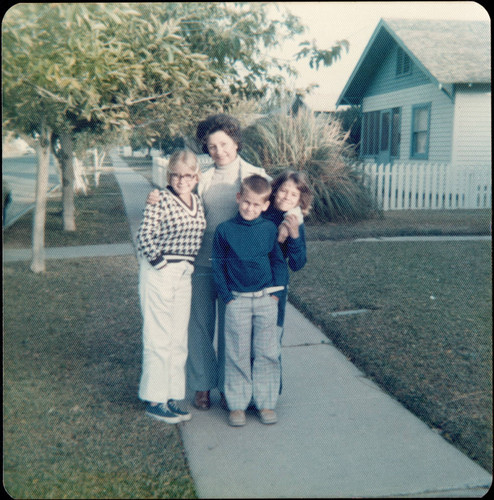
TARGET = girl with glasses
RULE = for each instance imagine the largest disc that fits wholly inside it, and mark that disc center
(168, 241)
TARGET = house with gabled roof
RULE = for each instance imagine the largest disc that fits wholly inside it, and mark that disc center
(424, 87)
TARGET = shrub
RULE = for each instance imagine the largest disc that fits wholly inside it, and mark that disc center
(309, 143)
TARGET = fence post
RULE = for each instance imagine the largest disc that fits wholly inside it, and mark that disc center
(393, 186)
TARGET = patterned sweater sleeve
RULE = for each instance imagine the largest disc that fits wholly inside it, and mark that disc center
(151, 236)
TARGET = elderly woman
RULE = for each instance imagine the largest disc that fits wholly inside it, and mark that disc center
(220, 136)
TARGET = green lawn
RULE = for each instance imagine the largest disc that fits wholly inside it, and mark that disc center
(427, 335)
(100, 219)
(73, 426)
(407, 223)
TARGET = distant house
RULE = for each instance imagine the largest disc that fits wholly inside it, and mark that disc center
(424, 88)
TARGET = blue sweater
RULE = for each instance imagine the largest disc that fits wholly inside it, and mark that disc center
(246, 257)
(293, 249)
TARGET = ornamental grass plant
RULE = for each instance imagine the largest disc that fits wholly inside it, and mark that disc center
(318, 147)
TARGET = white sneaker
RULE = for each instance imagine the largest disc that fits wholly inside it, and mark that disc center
(237, 418)
(268, 417)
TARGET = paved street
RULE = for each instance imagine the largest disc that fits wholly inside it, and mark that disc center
(20, 174)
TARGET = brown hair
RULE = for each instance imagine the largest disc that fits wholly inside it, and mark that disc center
(215, 123)
(302, 184)
(257, 184)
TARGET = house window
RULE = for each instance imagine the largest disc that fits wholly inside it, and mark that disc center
(420, 131)
(371, 133)
(395, 132)
(385, 119)
(403, 63)
(381, 132)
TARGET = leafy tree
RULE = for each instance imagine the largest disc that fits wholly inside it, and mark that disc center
(237, 38)
(93, 67)
(318, 56)
(151, 67)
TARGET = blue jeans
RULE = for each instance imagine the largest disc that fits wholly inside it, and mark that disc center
(252, 353)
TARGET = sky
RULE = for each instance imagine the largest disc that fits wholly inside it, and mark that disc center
(328, 22)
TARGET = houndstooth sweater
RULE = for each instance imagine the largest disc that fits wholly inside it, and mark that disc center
(171, 230)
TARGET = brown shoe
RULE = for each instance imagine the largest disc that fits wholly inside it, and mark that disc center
(201, 400)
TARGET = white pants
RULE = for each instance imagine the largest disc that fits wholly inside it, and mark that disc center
(165, 304)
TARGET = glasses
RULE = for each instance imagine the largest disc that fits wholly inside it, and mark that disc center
(178, 177)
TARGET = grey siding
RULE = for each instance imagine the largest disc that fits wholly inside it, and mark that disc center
(442, 113)
(472, 128)
(385, 80)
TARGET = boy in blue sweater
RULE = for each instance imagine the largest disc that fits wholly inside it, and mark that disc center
(250, 274)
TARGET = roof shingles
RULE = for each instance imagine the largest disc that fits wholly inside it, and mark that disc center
(452, 51)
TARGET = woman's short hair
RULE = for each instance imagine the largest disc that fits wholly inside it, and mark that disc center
(216, 123)
(300, 180)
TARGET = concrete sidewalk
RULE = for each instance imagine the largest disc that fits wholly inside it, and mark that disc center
(338, 435)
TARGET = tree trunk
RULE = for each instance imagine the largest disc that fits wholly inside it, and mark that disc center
(67, 166)
(39, 219)
(98, 164)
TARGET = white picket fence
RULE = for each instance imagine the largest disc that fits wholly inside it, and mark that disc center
(412, 186)
(406, 186)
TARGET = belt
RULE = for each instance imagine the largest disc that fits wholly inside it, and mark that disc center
(163, 260)
(260, 293)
